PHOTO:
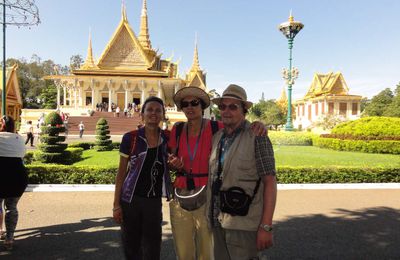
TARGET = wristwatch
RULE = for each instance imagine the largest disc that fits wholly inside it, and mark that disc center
(266, 227)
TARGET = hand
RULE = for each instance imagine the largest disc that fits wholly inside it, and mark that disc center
(117, 215)
(259, 129)
(175, 162)
(265, 239)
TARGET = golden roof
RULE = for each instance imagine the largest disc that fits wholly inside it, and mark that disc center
(196, 77)
(327, 84)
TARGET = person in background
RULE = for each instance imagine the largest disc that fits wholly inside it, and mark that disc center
(29, 133)
(14, 177)
(240, 164)
(81, 127)
(139, 187)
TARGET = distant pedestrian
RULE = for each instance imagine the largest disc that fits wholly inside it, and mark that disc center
(117, 110)
(29, 133)
(81, 129)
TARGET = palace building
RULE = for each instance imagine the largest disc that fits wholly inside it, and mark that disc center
(327, 95)
(128, 71)
(13, 93)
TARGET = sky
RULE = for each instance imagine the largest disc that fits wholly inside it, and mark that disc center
(238, 40)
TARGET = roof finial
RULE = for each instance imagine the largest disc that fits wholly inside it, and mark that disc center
(123, 10)
(196, 64)
(144, 37)
(291, 19)
(89, 62)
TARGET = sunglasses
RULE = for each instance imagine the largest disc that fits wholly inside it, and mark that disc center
(232, 107)
(193, 103)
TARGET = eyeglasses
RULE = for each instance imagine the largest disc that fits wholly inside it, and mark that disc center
(193, 103)
(232, 107)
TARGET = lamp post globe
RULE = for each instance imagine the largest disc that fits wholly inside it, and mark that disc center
(290, 29)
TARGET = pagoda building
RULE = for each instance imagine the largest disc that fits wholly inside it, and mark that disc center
(128, 71)
(327, 95)
(13, 93)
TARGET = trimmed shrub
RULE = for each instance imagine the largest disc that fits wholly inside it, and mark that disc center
(376, 127)
(61, 174)
(103, 142)
(52, 150)
(372, 146)
(83, 145)
(290, 138)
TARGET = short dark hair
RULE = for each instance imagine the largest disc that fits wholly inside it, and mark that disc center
(153, 99)
(9, 124)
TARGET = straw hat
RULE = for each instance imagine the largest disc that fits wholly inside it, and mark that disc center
(235, 92)
(191, 91)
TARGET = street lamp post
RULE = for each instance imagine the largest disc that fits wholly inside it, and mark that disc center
(20, 13)
(290, 29)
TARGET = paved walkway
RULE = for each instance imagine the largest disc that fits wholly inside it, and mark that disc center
(310, 224)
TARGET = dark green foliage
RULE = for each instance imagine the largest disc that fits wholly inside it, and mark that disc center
(52, 150)
(379, 103)
(60, 174)
(84, 145)
(103, 142)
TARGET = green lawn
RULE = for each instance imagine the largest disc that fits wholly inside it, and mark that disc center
(314, 156)
(285, 156)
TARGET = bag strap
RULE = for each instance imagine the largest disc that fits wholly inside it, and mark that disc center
(178, 132)
(256, 189)
(133, 142)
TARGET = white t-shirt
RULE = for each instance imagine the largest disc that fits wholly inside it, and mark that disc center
(81, 126)
(11, 145)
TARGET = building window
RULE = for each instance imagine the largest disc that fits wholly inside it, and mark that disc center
(303, 108)
(316, 109)
(342, 109)
(323, 108)
(354, 109)
(331, 107)
(309, 112)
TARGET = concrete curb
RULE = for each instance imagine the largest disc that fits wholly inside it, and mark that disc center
(110, 187)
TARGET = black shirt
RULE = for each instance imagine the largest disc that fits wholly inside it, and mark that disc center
(149, 184)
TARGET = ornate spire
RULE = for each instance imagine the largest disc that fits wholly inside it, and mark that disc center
(291, 18)
(123, 11)
(144, 37)
(89, 62)
(195, 65)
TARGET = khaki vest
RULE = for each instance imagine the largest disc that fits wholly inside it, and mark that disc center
(239, 170)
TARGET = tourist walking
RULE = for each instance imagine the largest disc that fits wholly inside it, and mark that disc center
(29, 133)
(14, 177)
(141, 179)
(242, 195)
(81, 127)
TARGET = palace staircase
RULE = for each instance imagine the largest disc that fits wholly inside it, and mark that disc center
(117, 125)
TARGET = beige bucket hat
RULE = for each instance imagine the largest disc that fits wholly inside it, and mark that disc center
(191, 91)
(235, 92)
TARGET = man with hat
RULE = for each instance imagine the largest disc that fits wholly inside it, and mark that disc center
(242, 184)
(190, 143)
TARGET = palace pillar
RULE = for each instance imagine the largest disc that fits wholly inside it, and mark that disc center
(94, 101)
(64, 95)
(58, 96)
(126, 94)
(109, 96)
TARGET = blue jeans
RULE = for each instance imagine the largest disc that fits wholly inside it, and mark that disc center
(11, 215)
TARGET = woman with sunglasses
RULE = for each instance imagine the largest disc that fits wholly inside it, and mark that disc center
(13, 182)
(139, 186)
(190, 154)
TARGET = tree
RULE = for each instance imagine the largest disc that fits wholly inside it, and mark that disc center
(103, 141)
(48, 96)
(75, 62)
(393, 110)
(379, 103)
(267, 112)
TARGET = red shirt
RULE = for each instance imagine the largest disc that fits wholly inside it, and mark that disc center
(200, 161)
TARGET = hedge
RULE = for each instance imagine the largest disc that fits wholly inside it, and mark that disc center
(371, 146)
(290, 138)
(61, 174)
(378, 127)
